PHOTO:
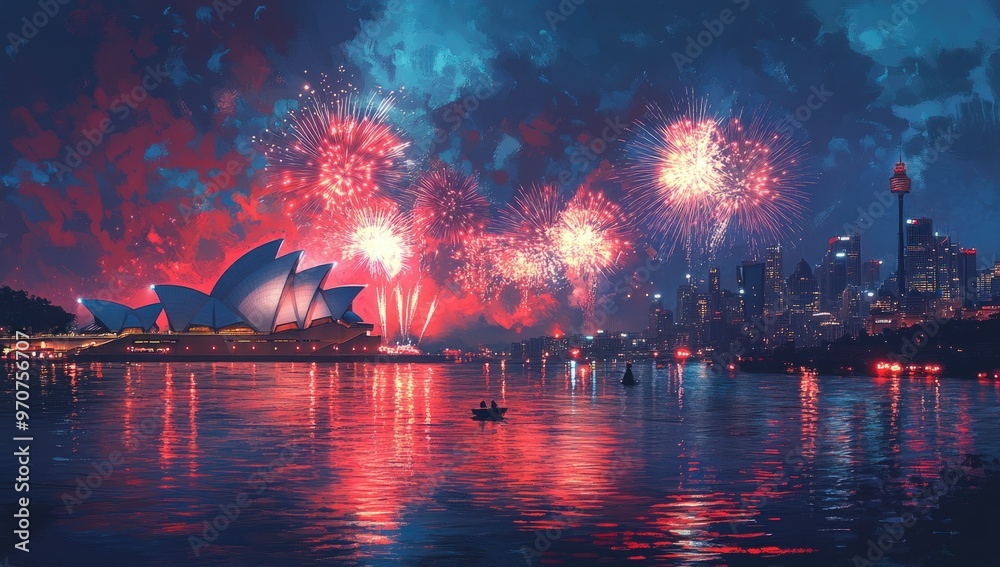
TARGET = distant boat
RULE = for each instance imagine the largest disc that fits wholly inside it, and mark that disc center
(629, 379)
(488, 414)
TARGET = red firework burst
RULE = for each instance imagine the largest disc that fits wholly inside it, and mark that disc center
(447, 206)
(703, 181)
(335, 153)
(763, 200)
(590, 235)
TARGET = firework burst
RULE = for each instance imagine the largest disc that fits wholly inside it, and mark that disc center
(763, 200)
(379, 239)
(590, 236)
(447, 206)
(703, 181)
(335, 153)
(677, 171)
(525, 253)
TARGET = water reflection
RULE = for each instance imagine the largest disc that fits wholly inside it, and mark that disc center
(385, 463)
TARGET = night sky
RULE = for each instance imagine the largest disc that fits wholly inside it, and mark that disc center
(507, 91)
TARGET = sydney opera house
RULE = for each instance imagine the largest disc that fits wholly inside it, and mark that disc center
(260, 308)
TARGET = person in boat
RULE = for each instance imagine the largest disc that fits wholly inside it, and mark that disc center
(482, 404)
(628, 378)
(493, 404)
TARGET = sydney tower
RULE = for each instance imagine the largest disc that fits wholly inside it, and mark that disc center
(899, 184)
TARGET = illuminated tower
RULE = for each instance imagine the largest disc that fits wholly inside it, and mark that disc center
(899, 184)
(714, 289)
(774, 282)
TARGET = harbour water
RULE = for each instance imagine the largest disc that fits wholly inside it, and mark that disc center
(361, 464)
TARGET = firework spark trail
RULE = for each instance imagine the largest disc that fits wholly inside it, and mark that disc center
(430, 313)
(447, 206)
(415, 293)
(401, 314)
(336, 153)
(476, 272)
(382, 315)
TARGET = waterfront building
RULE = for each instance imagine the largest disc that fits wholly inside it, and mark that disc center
(921, 256)
(803, 301)
(774, 281)
(687, 304)
(750, 282)
(946, 265)
(262, 305)
(967, 273)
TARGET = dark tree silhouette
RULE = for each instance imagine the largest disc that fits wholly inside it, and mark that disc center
(22, 312)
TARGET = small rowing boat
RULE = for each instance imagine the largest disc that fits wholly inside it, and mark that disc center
(489, 414)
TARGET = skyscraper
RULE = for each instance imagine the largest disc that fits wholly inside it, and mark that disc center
(995, 283)
(655, 308)
(984, 285)
(921, 256)
(774, 282)
(899, 184)
(967, 292)
(714, 289)
(946, 265)
(704, 316)
(803, 299)
(841, 268)
(750, 280)
(686, 304)
(871, 275)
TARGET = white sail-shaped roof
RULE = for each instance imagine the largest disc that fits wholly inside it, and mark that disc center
(256, 298)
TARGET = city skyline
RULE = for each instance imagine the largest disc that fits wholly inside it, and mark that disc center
(845, 294)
